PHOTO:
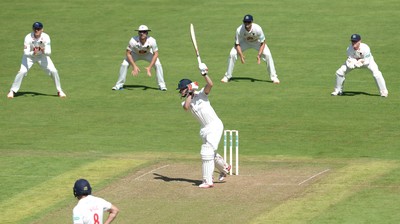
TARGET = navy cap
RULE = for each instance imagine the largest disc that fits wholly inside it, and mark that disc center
(248, 18)
(37, 25)
(183, 83)
(355, 37)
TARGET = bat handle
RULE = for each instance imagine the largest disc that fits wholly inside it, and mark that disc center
(198, 59)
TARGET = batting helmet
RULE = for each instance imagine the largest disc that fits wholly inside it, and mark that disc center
(82, 187)
(183, 83)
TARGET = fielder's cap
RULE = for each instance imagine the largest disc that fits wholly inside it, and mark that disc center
(183, 83)
(143, 28)
(248, 18)
(37, 25)
(355, 37)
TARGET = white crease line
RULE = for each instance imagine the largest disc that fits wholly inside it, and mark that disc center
(150, 172)
(313, 176)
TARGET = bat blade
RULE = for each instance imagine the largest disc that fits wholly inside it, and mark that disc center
(194, 41)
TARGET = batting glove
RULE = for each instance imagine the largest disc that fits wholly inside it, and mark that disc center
(203, 69)
(193, 86)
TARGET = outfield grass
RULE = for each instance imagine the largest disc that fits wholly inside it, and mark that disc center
(46, 142)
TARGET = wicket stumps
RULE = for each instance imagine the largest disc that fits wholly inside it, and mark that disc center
(229, 133)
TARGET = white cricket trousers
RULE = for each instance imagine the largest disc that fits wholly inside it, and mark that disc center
(266, 57)
(148, 57)
(211, 136)
(372, 66)
(45, 63)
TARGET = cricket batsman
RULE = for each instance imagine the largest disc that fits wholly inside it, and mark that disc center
(211, 126)
(90, 209)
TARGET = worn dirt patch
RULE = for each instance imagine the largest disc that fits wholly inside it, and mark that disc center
(167, 192)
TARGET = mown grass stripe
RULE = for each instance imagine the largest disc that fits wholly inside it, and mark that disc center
(329, 191)
(51, 192)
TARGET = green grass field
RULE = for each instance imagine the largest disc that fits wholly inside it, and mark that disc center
(306, 157)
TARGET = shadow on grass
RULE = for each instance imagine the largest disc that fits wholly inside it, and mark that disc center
(143, 87)
(355, 93)
(169, 179)
(237, 79)
(20, 94)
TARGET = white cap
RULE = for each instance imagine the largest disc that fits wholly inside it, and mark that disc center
(143, 28)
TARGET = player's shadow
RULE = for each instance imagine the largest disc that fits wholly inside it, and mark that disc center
(237, 79)
(355, 93)
(32, 94)
(179, 179)
(143, 87)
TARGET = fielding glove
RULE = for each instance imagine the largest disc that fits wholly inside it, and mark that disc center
(203, 69)
(193, 86)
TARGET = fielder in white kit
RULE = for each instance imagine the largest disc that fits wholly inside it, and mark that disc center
(211, 126)
(359, 56)
(250, 35)
(90, 209)
(37, 49)
(141, 47)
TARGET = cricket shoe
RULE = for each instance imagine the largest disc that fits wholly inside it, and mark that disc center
(163, 88)
(337, 93)
(384, 93)
(206, 185)
(223, 174)
(116, 88)
(61, 94)
(275, 81)
(225, 79)
(10, 94)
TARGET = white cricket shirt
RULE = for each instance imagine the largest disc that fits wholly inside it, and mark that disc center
(201, 108)
(30, 42)
(89, 210)
(150, 46)
(254, 36)
(363, 52)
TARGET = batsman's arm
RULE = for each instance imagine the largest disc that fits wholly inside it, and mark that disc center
(188, 100)
(209, 85)
(113, 214)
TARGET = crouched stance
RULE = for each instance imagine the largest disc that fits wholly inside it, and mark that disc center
(37, 49)
(141, 47)
(359, 56)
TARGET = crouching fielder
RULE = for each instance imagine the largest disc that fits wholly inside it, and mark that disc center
(211, 126)
(359, 56)
(37, 49)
